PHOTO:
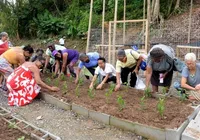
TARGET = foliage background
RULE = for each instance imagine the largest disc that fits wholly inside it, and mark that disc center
(48, 18)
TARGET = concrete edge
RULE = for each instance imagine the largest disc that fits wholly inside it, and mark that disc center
(143, 130)
(80, 110)
(102, 117)
(52, 100)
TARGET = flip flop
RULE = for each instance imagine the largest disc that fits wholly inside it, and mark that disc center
(195, 103)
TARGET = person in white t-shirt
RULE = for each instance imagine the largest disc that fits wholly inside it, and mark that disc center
(106, 70)
(62, 41)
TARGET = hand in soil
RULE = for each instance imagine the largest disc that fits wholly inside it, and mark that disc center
(76, 81)
(117, 87)
(99, 86)
(91, 86)
(55, 89)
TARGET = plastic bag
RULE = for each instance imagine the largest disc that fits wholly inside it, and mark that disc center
(140, 84)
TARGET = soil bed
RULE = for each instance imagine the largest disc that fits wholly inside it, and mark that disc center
(9, 133)
(175, 113)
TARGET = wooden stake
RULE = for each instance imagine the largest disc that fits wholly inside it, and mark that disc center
(190, 20)
(124, 24)
(114, 31)
(109, 41)
(103, 18)
(89, 26)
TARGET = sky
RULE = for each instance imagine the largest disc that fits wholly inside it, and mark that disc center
(12, 1)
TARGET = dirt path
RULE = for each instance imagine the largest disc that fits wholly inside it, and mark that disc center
(66, 124)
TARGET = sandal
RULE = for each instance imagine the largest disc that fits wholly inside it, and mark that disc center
(195, 103)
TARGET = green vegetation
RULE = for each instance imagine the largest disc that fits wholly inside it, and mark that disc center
(91, 93)
(147, 92)
(12, 125)
(142, 103)
(21, 138)
(120, 102)
(77, 91)
(161, 106)
(109, 92)
(48, 18)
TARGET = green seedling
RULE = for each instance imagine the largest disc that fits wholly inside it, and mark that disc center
(147, 92)
(56, 82)
(183, 96)
(142, 104)
(77, 91)
(65, 88)
(126, 88)
(71, 78)
(48, 80)
(12, 125)
(21, 138)
(120, 102)
(63, 77)
(161, 106)
(91, 93)
(109, 92)
(53, 75)
(164, 90)
(80, 81)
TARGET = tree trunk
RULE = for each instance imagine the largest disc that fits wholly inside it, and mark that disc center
(152, 6)
(156, 11)
(177, 4)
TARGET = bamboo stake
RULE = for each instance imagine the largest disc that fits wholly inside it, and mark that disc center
(190, 20)
(103, 18)
(143, 29)
(109, 41)
(89, 26)
(114, 31)
(124, 24)
(148, 23)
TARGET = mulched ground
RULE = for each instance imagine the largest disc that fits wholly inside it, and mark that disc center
(8, 132)
(175, 112)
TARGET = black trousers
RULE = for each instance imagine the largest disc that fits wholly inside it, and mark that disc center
(124, 76)
(113, 79)
(91, 70)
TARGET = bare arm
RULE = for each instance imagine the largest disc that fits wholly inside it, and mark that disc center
(93, 80)
(65, 56)
(148, 76)
(47, 61)
(36, 74)
(185, 85)
(21, 59)
(118, 78)
(77, 75)
(138, 64)
(57, 66)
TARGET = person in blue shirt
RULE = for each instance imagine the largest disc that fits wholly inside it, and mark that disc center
(90, 61)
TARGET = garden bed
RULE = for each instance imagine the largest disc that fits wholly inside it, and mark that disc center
(135, 109)
(9, 132)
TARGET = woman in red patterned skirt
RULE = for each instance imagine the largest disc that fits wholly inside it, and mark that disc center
(24, 83)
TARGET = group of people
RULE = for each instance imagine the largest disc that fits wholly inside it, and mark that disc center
(21, 70)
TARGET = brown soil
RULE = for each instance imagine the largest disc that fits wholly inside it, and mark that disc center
(175, 113)
(7, 133)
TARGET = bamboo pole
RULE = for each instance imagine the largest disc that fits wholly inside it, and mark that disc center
(124, 24)
(148, 24)
(126, 21)
(114, 31)
(190, 20)
(143, 29)
(147, 37)
(109, 41)
(89, 26)
(103, 18)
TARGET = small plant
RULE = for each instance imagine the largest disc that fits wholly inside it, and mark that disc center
(80, 81)
(183, 96)
(12, 125)
(161, 106)
(71, 78)
(56, 82)
(77, 91)
(142, 104)
(48, 80)
(164, 90)
(147, 92)
(63, 77)
(53, 75)
(109, 92)
(91, 93)
(126, 83)
(65, 88)
(21, 138)
(120, 102)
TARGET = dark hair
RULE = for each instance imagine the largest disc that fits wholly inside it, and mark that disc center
(38, 50)
(40, 58)
(157, 53)
(29, 49)
(57, 58)
(102, 58)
